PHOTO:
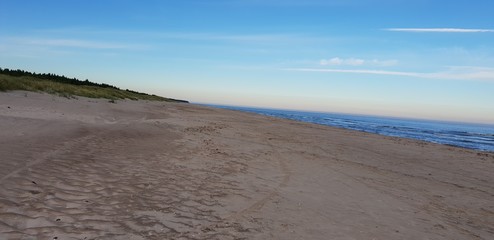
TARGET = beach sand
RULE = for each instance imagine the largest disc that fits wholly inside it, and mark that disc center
(90, 169)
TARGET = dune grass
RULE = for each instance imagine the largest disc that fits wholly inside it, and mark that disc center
(31, 83)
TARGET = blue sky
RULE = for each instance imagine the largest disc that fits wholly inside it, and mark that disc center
(421, 59)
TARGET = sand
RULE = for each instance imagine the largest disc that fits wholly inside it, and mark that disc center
(91, 169)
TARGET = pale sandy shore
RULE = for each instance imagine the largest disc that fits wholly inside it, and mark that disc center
(90, 169)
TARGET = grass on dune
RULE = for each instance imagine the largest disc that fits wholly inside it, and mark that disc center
(30, 83)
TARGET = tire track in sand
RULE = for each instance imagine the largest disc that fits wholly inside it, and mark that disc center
(257, 205)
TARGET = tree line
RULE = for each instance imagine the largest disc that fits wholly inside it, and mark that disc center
(53, 77)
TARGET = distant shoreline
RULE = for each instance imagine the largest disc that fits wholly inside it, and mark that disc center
(456, 130)
(348, 114)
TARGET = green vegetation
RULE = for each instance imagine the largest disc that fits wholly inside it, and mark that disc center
(68, 87)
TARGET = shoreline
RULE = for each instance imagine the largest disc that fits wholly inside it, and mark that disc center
(88, 168)
(276, 114)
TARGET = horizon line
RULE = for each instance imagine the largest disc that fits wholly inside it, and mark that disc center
(383, 115)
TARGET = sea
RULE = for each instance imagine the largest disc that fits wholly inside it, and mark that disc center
(465, 135)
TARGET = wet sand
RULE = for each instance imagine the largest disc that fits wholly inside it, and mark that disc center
(91, 169)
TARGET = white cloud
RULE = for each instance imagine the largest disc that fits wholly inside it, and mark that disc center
(154, 38)
(452, 73)
(336, 61)
(332, 61)
(383, 63)
(262, 38)
(465, 72)
(73, 43)
(440, 30)
(361, 71)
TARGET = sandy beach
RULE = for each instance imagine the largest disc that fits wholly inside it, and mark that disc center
(90, 169)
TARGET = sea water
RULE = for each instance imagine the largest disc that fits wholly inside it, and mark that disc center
(466, 135)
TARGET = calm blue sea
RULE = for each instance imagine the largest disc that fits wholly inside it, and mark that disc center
(473, 136)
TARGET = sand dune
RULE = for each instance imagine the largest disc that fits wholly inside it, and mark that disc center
(90, 169)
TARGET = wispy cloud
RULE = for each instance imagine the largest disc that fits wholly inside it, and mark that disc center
(72, 43)
(359, 71)
(440, 30)
(452, 73)
(336, 61)
(252, 38)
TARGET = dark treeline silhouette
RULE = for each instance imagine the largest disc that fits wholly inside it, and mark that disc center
(74, 81)
(53, 77)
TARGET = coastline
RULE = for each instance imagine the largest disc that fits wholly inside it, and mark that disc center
(474, 136)
(152, 170)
